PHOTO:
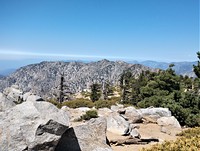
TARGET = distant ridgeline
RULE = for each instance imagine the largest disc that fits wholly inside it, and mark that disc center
(181, 68)
(43, 78)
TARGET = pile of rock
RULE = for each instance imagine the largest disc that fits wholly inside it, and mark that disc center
(125, 121)
(29, 123)
(38, 125)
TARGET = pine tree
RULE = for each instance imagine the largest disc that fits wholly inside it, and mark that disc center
(95, 92)
(125, 85)
(62, 90)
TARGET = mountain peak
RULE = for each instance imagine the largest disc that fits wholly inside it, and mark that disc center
(43, 78)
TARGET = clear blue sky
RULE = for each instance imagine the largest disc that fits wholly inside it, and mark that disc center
(160, 30)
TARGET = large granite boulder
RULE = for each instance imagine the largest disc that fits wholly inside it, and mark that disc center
(168, 121)
(133, 115)
(13, 93)
(117, 124)
(88, 137)
(156, 112)
(151, 114)
(169, 125)
(32, 126)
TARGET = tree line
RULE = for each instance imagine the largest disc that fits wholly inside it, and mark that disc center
(181, 94)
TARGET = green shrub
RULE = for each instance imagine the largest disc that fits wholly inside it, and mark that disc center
(179, 112)
(54, 102)
(104, 103)
(89, 114)
(191, 132)
(193, 120)
(78, 103)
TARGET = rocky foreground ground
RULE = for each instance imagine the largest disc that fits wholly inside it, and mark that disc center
(29, 123)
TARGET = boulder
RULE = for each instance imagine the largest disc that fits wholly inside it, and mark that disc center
(168, 121)
(83, 109)
(5, 104)
(13, 93)
(155, 112)
(104, 111)
(34, 98)
(133, 115)
(88, 137)
(117, 107)
(135, 133)
(117, 124)
(32, 126)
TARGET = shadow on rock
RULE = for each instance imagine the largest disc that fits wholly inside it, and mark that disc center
(68, 142)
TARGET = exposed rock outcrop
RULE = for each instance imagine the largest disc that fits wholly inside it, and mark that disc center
(168, 121)
(43, 78)
(133, 115)
(156, 112)
(13, 94)
(88, 137)
(117, 124)
(32, 126)
(5, 104)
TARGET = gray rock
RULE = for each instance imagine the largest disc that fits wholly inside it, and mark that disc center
(13, 93)
(32, 126)
(168, 121)
(104, 112)
(133, 115)
(135, 133)
(5, 104)
(155, 112)
(88, 137)
(117, 124)
(34, 98)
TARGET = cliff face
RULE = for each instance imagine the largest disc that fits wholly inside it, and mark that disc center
(44, 77)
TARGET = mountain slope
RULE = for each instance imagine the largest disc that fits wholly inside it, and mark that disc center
(181, 68)
(44, 77)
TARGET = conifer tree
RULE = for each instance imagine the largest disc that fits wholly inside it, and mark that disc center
(95, 92)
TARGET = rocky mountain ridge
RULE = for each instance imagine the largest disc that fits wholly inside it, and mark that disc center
(181, 68)
(43, 78)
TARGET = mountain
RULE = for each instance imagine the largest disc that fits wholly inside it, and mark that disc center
(181, 68)
(44, 77)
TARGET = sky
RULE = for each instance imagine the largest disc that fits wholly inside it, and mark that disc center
(159, 30)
